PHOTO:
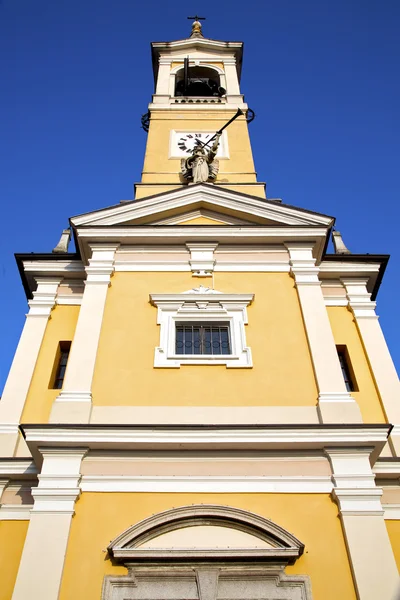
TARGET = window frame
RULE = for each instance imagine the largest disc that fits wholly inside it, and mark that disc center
(204, 306)
(64, 347)
(346, 368)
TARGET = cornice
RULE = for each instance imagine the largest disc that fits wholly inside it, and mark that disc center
(267, 437)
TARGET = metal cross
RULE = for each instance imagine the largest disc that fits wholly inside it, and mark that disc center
(197, 18)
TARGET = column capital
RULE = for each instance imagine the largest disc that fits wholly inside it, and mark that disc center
(302, 263)
(44, 298)
(101, 264)
(59, 481)
(355, 491)
(359, 298)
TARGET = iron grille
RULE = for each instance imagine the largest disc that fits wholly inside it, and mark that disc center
(202, 339)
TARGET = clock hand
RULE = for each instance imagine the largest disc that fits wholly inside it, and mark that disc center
(219, 132)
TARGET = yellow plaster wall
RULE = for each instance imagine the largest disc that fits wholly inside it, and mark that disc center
(61, 327)
(393, 528)
(312, 518)
(12, 539)
(124, 371)
(345, 333)
(201, 221)
(158, 167)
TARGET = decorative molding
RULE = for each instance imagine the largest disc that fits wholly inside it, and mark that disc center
(207, 484)
(229, 437)
(18, 468)
(202, 259)
(214, 196)
(391, 512)
(129, 544)
(15, 512)
(236, 583)
(302, 264)
(44, 297)
(202, 304)
(59, 481)
(69, 299)
(355, 490)
(101, 265)
(358, 297)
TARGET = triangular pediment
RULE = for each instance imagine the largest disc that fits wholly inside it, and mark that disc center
(208, 204)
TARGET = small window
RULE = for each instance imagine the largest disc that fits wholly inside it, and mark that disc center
(60, 365)
(347, 370)
(204, 339)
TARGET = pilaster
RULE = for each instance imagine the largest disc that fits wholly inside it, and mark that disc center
(42, 562)
(74, 404)
(377, 352)
(335, 404)
(23, 365)
(359, 500)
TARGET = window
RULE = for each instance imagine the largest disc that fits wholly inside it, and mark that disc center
(204, 338)
(60, 365)
(202, 326)
(347, 370)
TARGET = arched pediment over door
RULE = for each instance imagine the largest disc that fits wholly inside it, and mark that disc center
(206, 552)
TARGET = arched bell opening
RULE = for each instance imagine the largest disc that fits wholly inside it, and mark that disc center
(200, 82)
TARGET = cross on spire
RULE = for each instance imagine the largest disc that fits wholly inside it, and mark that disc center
(196, 26)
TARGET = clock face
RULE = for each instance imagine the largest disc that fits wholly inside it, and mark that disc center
(183, 142)
(187, 141)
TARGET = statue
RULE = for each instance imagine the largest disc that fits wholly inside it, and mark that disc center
(201, 165)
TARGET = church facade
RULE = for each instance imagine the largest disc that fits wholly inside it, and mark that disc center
(202, 404)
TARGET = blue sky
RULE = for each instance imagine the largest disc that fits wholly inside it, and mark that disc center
(322, 77)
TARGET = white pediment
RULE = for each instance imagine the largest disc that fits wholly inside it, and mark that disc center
(173, 206)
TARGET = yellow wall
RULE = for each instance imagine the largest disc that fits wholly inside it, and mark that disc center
(61, 327)
(160, 169)
(345, 333)
(393, 528)
(311, 517)
(12, 539)
(282, 372)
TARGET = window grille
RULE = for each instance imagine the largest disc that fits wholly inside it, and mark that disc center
(205, 339)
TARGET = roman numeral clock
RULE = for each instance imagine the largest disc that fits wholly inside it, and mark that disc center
(183, 142)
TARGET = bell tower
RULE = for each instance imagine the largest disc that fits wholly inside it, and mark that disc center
(197, 91)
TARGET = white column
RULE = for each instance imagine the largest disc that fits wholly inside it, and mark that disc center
(74, 404)
(19, 378)
(42, 562)
(370, 552)
(233, 94)
(377, 353)
(164, 79)
(335, 404)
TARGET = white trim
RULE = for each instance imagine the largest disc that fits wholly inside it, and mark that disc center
(69, 299)
(392, 512)
(299, 437)
(202, 304)
(214, 195)
(335, 301)
(212, 484)
(17, 469)
(389, 469)
(15, 512)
